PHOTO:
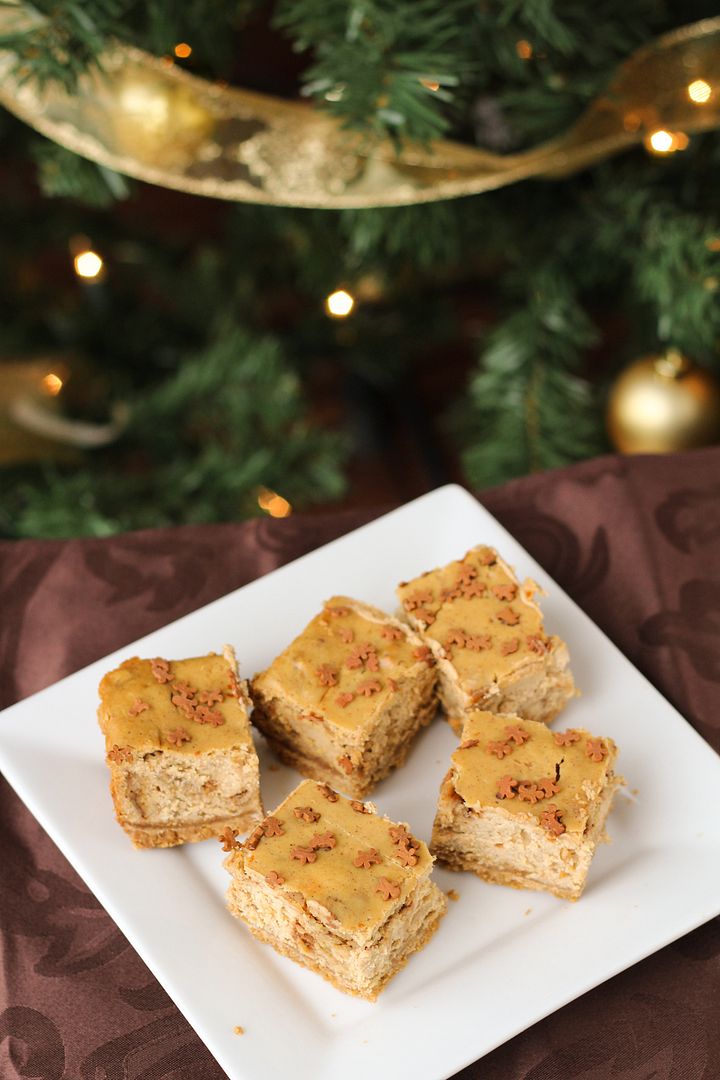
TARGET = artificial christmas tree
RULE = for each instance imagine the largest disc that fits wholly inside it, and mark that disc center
(554, 281)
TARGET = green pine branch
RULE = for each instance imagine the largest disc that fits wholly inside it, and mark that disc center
(198, 446)
(64, 175)
(527, 407)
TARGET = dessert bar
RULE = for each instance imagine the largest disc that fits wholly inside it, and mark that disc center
(336, 887)
(486, 633)
(182, 761)
(523, 805)
(343, 702)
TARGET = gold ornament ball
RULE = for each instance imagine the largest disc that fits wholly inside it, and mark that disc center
(663, 403)
(155, 121)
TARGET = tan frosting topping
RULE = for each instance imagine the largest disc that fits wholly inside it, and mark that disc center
(478, 613)
(137, 710)
(345, 665)
(541, 769)
(337, 864)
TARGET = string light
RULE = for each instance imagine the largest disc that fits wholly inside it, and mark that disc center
(524, 49)
(273, 504)
(430, 84)
(661, 141)
(666, 142)
(182, 50)
(88, 265)
(339, 304)
(52, 384)
(699, 91)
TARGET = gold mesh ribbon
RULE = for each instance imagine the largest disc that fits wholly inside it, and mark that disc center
(147, 118)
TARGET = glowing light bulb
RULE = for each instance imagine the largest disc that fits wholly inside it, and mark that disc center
(661, 141)
(430, 84)
(88, 264)
(524, 49)
(273, 504)
(339, 304)
(666, 142)
(279, 507)
(52, 384)
(699, 91)
(182, 50)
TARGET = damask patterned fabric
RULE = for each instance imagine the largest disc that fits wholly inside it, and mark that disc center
(635, 541)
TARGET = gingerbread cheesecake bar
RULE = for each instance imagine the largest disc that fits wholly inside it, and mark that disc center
(336, 887)
(182, 761)
(486, 633)
(523, 805)
(343, 702)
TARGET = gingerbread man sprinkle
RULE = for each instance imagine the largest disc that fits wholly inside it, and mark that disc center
(254, 838)
(506, 787)
(138, 707)
(323, 841)
(205, 715)
(509, 647)
(400, 835)
(160, 670)
(527, 791)
(272, 826)
(365, 859)
(596, 749)
(566, 738)
(550, 820)
(369, 687)
(185, 704)
(210, 697)
(177, 736)
(303, 855)
(407, 856)
(518, 734)
(119, 754)
(228, 839)
(418, 599)
(306, 813)
(274, 879)
(326, 675)
(477, 642)
(389, 890)
(548, 787)
(473, 589)
(504, 592)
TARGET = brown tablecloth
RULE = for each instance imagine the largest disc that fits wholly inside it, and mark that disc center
(635, 541)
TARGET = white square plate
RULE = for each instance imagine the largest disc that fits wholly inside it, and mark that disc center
(502, 959)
